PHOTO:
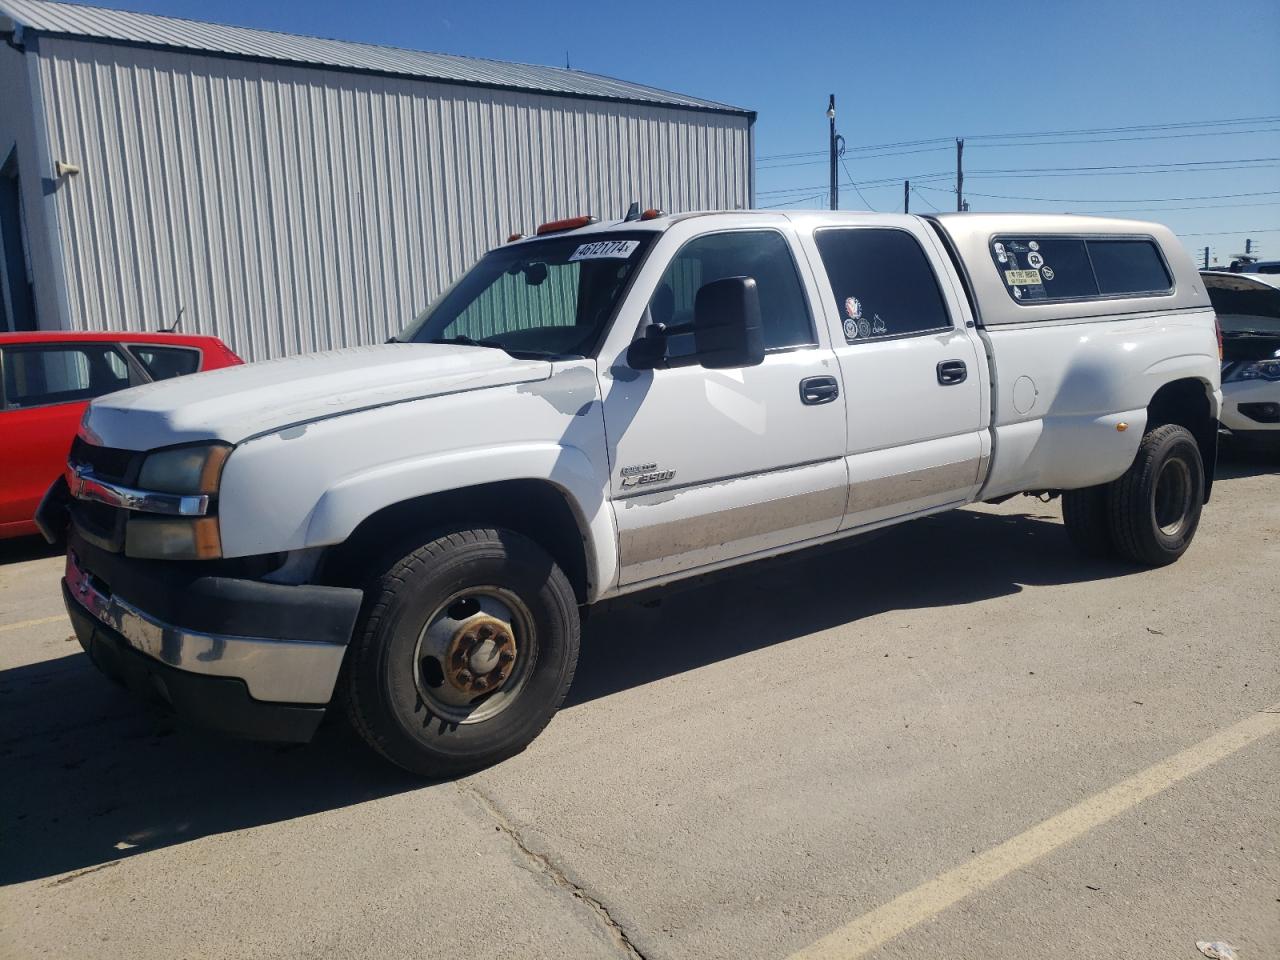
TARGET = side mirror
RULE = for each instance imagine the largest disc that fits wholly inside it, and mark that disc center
(726, 324)
(650, 351)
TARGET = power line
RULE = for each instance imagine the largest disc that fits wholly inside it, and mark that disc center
(1210, 196)
(1085, 172)
(1203, 206)
(1130, 129)
(925, 199)
(853, 184)
(762, 165)
(1129, 166)
(1138, 169)
(1046, 133)
(787, 203)
(1228, 233)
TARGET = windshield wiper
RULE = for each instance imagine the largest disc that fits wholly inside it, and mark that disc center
(1251, 333)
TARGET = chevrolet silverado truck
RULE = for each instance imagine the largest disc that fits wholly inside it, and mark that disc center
(411, 530)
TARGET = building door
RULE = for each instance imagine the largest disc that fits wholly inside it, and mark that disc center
(17, 294)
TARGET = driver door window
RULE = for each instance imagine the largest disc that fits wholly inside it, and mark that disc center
(762, 254)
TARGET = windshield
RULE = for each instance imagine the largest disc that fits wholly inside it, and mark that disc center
(1244, 304)
(551, 297)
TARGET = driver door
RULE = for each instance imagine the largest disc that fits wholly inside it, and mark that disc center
(709, 466)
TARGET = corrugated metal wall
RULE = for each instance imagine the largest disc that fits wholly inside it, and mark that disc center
(289, 209)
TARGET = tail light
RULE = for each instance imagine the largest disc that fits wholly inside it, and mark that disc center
(1218, 328)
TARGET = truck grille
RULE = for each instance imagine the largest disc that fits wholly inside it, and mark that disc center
(118, 466)
(99, 523)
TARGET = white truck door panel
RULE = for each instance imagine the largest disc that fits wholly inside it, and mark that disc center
(915, 383)
(708, 465)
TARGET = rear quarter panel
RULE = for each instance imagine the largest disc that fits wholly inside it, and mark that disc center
(1062, 389)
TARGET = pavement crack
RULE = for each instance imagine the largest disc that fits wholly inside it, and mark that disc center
(80, 873)
(554, 873)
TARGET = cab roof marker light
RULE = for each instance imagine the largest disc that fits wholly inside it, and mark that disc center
(653, 213)
(572, 223)
(514, 237)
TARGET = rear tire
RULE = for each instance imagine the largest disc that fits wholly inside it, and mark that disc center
(1084, 513)
(465, 650)
(1154, 508)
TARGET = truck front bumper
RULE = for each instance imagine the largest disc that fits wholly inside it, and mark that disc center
(244, 657)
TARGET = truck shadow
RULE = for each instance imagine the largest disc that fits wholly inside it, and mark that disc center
(1235, 464)
(21, 549)
(92, 777)
(953, 558)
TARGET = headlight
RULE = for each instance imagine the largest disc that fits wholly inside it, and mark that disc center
(1257, 370)
(184, 469)
(189, 472)
(157, 538)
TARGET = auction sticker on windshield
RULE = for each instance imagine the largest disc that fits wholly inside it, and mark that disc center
(605, 250)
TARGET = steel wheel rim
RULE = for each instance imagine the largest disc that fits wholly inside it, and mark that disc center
(457, 625)
(1171, 500)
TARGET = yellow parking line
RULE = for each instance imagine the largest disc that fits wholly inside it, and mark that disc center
(878, 927)
(5, 627)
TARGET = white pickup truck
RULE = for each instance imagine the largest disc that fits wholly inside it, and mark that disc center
(412, 529)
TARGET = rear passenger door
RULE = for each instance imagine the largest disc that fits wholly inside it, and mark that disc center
(915, 388)
(711, 465)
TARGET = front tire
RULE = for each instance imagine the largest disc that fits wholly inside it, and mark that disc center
(465, 650)
(1154, 508)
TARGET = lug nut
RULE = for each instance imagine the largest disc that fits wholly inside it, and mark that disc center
(464, 677)
(485, 633)
(506, 656)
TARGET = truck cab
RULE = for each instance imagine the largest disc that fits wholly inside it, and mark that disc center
(413, 528)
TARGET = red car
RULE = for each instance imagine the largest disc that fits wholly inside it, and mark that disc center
(48, 380)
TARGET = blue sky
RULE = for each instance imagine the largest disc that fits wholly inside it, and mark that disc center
(910, 72)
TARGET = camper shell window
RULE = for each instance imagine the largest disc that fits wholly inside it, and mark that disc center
(1053, 269)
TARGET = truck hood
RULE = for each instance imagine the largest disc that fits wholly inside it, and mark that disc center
(236, 403)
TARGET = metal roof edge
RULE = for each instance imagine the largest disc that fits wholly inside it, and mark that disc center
(11, 21)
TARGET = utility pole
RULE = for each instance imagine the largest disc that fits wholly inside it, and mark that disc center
(906, 196)
(1206, 258)
(835, 184)
(960, 204)
(1248, 247)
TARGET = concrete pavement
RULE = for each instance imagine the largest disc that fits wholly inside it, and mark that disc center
(758, 762)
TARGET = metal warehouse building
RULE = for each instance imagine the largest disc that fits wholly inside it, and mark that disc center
(291, 194)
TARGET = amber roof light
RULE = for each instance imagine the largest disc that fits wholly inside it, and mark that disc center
(572, 223)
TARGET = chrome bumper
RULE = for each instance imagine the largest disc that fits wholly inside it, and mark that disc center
(278, 671)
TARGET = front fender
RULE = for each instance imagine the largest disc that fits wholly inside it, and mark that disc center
(342, 508)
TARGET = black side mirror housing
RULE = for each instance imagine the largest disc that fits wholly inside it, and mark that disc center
(650, 351)
(727, 331)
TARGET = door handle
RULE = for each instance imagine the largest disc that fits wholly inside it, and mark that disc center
(951, 372)
(815, 390)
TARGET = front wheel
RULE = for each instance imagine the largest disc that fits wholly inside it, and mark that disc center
(465, 651)
(1154, 508)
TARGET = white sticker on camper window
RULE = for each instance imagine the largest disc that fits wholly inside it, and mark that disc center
(1026, 278)
(605, 250)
